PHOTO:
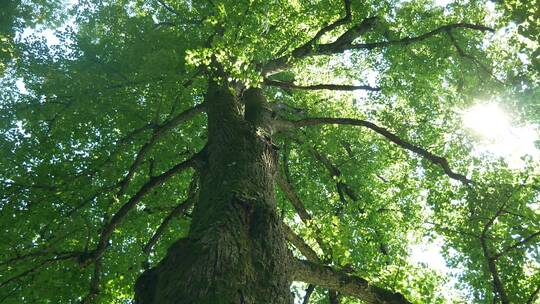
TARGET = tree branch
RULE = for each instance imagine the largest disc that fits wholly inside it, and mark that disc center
(94, 284)
(304, 215)
(158, 133)
(345, 42)
(491, 221)
(312, 256)
(122, 212)
(169, 8)
(533, 295)
(37, 254)
(333, 297)
(294, 199)
(437, 160)
(332, 87)
(67, 256)
(346, 19)
(301, 245)
(516, 245)
(498, 287)
(462, 54)
(309, 290)
(342, 189)
(281, 63)
(492, 267)
(345, 283)
(326, 49)
(333, 170)
(177, 211)
(296, 240)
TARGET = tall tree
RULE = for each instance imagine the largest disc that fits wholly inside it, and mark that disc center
(216, 152)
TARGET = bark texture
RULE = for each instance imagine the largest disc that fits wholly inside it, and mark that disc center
(326, 277)
(235, 251)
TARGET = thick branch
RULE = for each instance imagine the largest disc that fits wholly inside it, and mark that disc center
(332, 49)
(177, 211)
(341, 187)
(345, 42)
(498, 287)
(94, 284)
(437, 160)
(333, 297)
(159, 131)
(314, 87)
(346, 19)
(301, 245)
(489, 223)
(281, 63)
(296, 240)
(309, 290)
(180, 118)
(457, 232)
(135, 165)
(294, 199)
(352, 285)
(311, 256)
(302, 212)
(344, 189)
(122, 212)
(37, 254)
(131, 135)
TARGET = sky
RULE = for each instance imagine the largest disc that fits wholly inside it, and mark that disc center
(499, 135)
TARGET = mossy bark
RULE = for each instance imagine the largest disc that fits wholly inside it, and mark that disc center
(235, 251)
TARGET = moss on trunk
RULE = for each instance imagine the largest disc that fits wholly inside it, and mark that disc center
(235, 251)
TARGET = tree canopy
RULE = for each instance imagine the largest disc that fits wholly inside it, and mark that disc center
(102, 126)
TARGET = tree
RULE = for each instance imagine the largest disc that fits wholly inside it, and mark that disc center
(215, 152)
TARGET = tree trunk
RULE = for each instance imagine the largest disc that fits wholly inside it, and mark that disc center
(235, 251)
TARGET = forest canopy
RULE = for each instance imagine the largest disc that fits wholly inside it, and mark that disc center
(391, 146)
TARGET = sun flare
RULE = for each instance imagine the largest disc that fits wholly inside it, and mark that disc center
(488, 120)
(499, 135)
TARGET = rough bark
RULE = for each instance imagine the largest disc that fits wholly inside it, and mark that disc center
(340, 281)
(235, 251)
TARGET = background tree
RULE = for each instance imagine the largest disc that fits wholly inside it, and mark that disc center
(152, 135)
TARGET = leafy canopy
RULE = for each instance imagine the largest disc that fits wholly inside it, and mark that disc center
(89, 121)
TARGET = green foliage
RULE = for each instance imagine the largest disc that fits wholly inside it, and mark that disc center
(122, 68)
(7, 16)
